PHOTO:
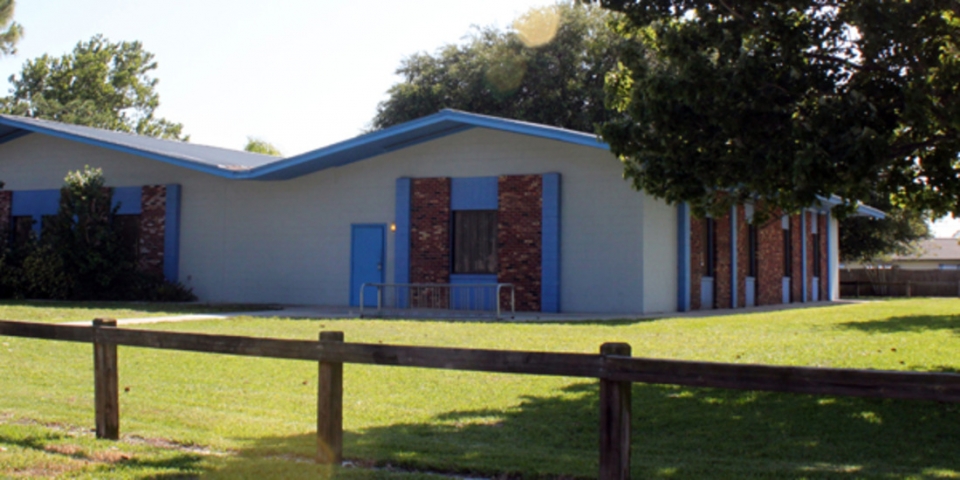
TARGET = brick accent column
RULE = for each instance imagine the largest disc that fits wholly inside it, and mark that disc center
(743, 255)
(796, 239)
(153, 216)
(430, 230)
(6, 212)
(697, 261)
(519, 236)
(724, 268)
(770, 261)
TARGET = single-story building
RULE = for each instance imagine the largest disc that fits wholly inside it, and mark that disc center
(449, 198)
(930, 254)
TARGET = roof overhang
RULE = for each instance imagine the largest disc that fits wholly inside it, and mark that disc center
(218, 162)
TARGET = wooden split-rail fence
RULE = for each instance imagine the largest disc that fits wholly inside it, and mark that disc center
(613, 366)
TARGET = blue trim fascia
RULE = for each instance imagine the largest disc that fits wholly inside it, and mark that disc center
(383, 253)
(550, 244)
(400, 145)
(201, 167)
(171, 235)
(474, 193)
(683, 257)
(733, 256)
(803, 257)
(829, 272)
(401, 239)
(443, 123)
(128, 198)
(14, 135)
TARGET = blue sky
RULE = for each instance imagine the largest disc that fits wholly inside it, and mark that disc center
(299, 74)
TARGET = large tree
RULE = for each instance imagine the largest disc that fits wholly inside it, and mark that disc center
(100, 84)
(721, 101)
(548, 68)
(261, 146)
(10, 31)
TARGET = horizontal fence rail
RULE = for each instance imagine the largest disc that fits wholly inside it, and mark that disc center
(614, 367)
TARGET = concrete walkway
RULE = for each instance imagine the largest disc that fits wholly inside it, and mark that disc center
(315, 311)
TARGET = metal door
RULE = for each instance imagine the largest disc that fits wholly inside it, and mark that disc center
(366, 262)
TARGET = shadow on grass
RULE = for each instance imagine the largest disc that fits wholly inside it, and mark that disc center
(678, 432)
(910, 323)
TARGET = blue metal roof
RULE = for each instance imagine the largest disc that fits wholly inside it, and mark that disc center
(241, 165)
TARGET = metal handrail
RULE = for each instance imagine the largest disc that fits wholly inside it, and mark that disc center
(424, 288)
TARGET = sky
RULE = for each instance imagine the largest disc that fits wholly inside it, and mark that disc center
(298, 74)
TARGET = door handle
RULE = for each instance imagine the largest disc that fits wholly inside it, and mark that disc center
(379, 266)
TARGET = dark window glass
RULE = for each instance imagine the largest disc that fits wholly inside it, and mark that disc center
(22, 228)
(710, 248)
(46, 225)
(475, 241)
(752, 250)
(816, 254)
(787, 254)
(128, 232)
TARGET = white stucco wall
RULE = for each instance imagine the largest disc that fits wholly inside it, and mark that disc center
(289, 241)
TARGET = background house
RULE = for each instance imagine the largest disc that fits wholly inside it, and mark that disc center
(450, 198)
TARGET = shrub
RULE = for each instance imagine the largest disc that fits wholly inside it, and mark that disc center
(80, 255)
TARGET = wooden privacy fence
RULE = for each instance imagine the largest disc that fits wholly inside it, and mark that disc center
(613, 366)
(909, 288)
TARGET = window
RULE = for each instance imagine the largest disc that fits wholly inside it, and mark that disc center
(816, 255)
(752, 250)
(787, 252)
(22, 228)
(127, 228)
(475, 241)
(710, 252)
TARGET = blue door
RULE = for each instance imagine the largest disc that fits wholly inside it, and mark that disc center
(366, 262)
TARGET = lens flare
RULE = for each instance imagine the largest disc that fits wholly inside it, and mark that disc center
(505, 73)
(538, 27)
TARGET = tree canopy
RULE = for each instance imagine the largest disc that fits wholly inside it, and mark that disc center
(719, 102)
(259, 145)
(10, 31)
(100, 84)
(548, 68)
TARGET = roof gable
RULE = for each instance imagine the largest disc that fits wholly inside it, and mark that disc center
(242, 165)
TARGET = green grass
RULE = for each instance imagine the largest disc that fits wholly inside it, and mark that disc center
(261, 413)
(57, 312)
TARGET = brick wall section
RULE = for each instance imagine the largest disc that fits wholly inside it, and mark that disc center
(519, 237)
(697, 262)
(6, 212)
(153, 215)
(743, 255)
(430, 230)
(723, 289)
(796, 239)
(770, 261)
(824, 274)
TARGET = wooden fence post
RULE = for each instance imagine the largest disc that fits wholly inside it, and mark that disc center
(330, 407)
(615, 421)
(107, 405)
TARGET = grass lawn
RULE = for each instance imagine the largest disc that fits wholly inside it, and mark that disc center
(229, 417)
(57, 312)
